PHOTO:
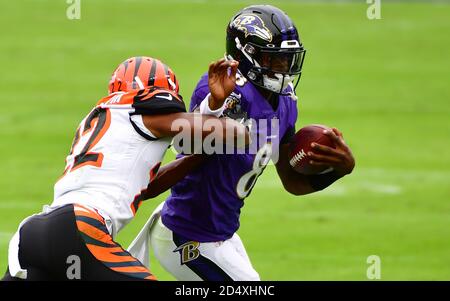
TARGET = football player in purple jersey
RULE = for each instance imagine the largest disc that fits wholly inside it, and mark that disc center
(193, 233)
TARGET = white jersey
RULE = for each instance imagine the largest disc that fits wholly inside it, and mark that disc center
(114, 156)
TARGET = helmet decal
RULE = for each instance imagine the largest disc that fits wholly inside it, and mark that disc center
(251, 24)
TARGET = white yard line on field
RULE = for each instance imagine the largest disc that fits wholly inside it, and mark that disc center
(382, 188)
(11, 205)
(369, 183)
(335, 190)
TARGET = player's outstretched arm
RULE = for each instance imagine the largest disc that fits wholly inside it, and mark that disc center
(340, 159)
(171, 173)
(221, 82)
(192, 126)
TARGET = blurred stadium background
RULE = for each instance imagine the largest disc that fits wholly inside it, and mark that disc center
(384, 83)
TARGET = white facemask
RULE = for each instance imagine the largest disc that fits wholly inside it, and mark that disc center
(277, 84)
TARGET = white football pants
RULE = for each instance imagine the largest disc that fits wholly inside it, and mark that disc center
(190, 260)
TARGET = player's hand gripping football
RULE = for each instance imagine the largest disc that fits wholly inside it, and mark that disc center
(221, 81)
(340, 157)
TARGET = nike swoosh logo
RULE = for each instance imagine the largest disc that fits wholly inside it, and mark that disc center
(168, 97)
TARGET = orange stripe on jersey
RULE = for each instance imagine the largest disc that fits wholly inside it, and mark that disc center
(119, 98)
(130, 97)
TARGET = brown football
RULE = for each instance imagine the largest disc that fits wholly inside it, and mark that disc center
(301, 145)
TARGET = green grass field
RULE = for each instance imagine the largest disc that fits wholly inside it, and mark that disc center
(384, 83)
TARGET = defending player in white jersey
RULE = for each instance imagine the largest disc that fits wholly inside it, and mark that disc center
(114, 158)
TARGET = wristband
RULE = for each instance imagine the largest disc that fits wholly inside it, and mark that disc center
(323, 180)
(205, 109)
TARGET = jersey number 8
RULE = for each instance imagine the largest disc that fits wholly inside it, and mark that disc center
(248, 180)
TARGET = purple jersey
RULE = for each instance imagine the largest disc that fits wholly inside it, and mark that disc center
(205, 206)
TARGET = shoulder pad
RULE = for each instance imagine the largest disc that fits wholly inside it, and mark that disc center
(155, 100)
